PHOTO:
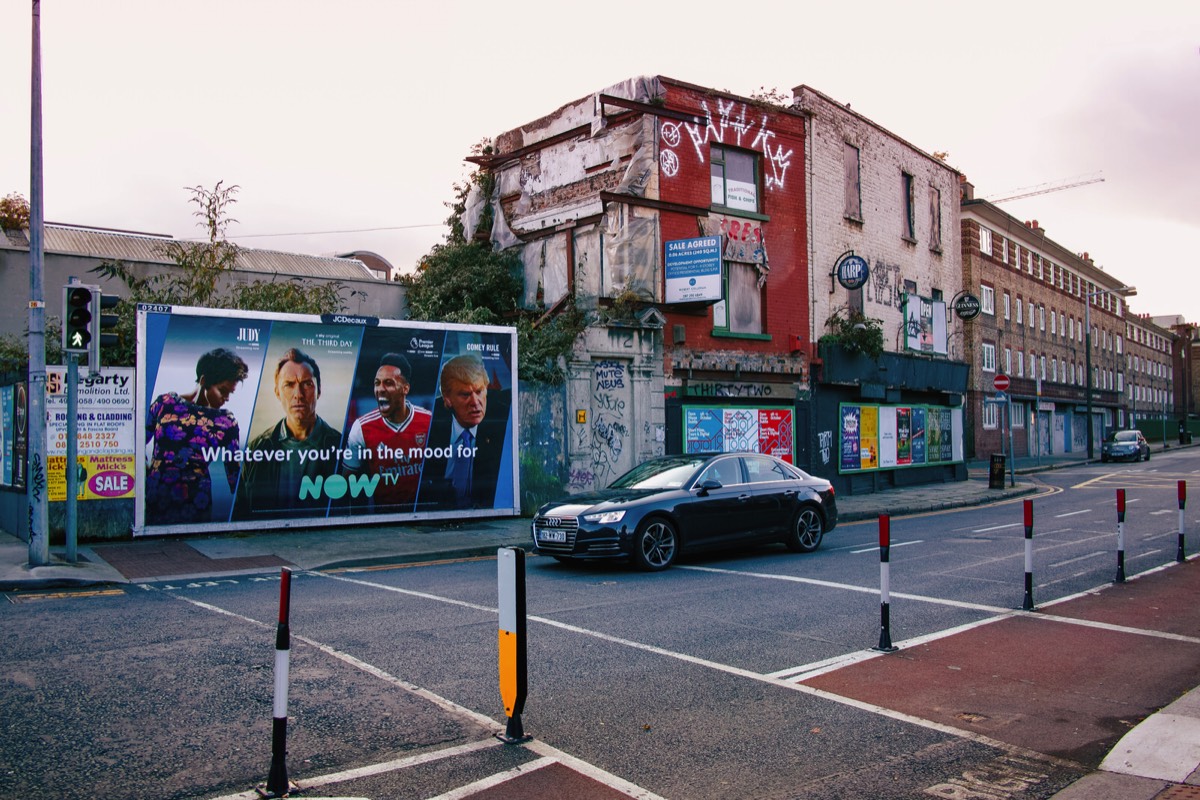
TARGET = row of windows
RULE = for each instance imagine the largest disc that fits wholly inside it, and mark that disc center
(1025, 260)
(1152, 340)
(852, 165)
(1062, 371)
(1061, 325)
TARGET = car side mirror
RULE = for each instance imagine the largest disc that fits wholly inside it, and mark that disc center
(707, 486)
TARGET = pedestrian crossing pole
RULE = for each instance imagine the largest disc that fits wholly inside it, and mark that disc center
(1120, 535)
(277, 779)
(1028, 604)
(885, 616)
(510, 574)
(1179, 555)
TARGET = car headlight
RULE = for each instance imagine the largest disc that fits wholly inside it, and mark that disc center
(605, 517)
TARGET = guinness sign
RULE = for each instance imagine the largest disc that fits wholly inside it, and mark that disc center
(967, 306)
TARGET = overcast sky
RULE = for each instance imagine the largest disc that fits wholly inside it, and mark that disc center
(353, 117)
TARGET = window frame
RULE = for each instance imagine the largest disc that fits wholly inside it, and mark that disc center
(718, 156)
(908, 223)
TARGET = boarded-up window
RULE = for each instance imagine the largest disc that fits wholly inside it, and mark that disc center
(853, 181)
(935, 218)
(908, 222)
(745, 299)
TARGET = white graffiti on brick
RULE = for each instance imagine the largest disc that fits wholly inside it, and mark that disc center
(732, 125)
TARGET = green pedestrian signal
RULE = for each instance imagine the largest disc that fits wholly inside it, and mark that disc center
(79, 312)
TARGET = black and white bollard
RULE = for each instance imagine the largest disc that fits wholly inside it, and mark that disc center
(277, 779)
(1028, 604)
(510, 576)
(1120, 535)
(885, 617)
(1179, 554)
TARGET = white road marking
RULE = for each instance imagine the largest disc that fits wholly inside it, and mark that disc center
(1073, 513)
(998, 527)
(894, 545)
(1079, 558)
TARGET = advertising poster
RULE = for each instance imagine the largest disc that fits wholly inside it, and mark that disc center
(6, 432)
(740, 429)
(946, 448)
(903, 436)
(704, 430)
(851, 428)
(274, 420)
(887, 437)
(775, 433)
(104, 434)
(918, 436)
(933, 434)
(869, 438)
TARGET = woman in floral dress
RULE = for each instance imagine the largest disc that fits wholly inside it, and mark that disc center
(181, 427)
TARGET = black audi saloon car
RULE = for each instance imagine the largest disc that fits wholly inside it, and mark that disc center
(683, 504)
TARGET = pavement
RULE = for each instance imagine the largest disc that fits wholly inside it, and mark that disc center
(1159, 758)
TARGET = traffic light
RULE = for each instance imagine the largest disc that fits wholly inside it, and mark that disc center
(103, 326)
(79, 311)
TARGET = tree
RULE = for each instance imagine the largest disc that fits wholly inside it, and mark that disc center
(468, 282)
(203, 277)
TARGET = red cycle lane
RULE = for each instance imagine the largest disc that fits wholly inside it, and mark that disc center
(1068, 680)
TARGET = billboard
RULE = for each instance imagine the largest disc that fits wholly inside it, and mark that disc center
(256, 420)
(885, 437)
(717, 429)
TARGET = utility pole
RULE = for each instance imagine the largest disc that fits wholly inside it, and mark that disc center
(36, 487)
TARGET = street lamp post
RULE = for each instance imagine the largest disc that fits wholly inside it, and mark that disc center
(1123, 291)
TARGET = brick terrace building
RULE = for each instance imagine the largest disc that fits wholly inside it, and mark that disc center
(1033, 292)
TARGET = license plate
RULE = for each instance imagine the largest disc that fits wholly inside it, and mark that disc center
(552, 536)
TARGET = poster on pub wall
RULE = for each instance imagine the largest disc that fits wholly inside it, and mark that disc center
(717, 429)
(887, 437)
(256, 420)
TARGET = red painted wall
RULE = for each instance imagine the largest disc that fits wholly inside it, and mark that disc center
(778, 138)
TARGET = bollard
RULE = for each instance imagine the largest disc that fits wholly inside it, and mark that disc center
(1120, 535)
(510, 575)
(1179, 555)
(277, 779)
(885, 617)
(1028, 604)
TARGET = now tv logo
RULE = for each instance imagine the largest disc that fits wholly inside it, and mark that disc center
(335, 487)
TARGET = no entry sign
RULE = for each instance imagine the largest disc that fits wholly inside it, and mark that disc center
(1001, 382)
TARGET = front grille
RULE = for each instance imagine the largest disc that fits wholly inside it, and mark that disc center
(568, 525)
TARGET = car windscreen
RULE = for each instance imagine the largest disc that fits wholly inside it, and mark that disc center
(1123, 436)
(669, 473)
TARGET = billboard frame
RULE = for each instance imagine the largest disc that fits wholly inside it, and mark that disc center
(169, 337)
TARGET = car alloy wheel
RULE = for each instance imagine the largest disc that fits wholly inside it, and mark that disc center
(655, 545)
(807, 531)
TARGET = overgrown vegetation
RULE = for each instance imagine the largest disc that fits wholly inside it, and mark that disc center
(14, 212)
(466, 281)
(204, 277)
(772, 96)
(855, 331)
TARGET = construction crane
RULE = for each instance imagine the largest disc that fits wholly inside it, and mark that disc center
(1046, 188)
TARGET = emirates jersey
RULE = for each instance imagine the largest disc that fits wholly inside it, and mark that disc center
(394, 453)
